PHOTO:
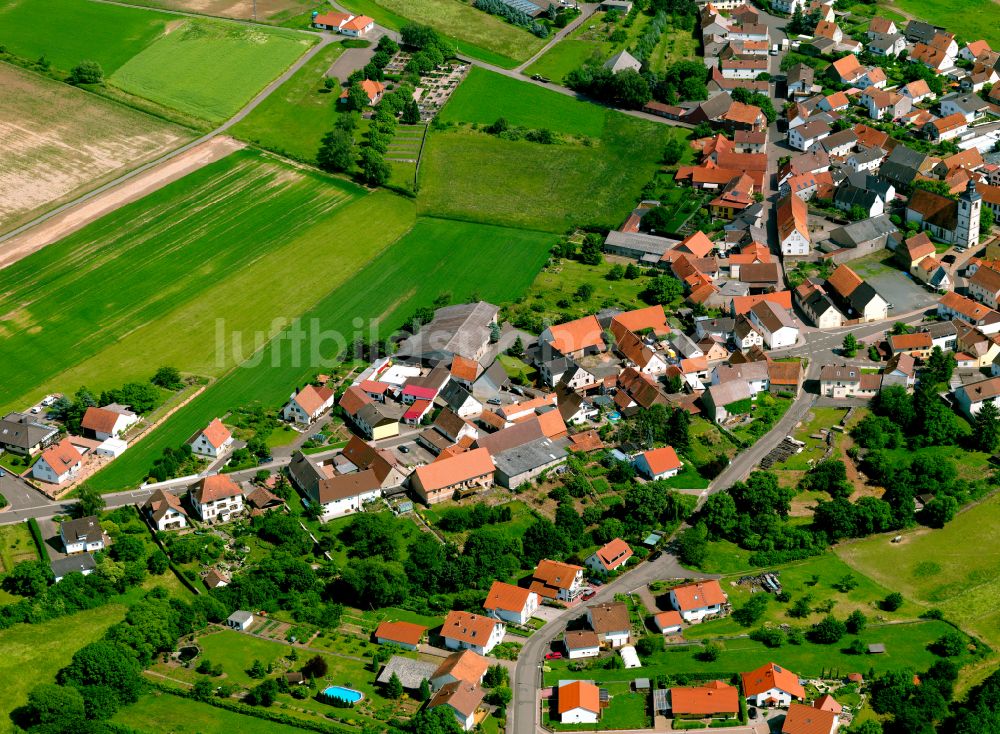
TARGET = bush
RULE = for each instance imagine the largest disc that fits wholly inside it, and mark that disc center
(892, 602)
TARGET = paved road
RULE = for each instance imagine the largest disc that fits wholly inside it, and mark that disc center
(586, 10)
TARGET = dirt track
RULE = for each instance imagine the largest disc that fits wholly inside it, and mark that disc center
(131, 190)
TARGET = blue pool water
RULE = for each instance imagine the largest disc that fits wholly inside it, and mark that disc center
(344, 694)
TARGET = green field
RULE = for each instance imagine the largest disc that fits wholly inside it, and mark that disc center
(157, 712)
(67, 32)
(16, 545)
(174, 70)
(977, 18)
(178, 259)
(34, 653)
(435, 257)
(955, 569)
(475, 33)
(485, 95)
(296, 116)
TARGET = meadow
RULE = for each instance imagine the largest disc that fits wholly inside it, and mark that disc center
(977, 18)
(178, 259)
(955, 569)
(67, 32)
(435, 257)
(16, 545)
(475, 33)
(242, 59)
(51, 159)
(485, 95)
(34, 653)
(296, 116)
(163, 712)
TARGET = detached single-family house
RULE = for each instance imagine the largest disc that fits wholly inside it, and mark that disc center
(83, 535)
(609, 557)
(557, 580)
(815, 719)
(467, 631)
(58, 463)
(775, 324)
(793, 225)
(712, 700)
(111, 421)
(771, 685)
(972, 397)
(842, 381)
(661, 463)
(698, 600)
(308, 404)
(373, 91)
(217, 497)
(581, 644)
(460, 666)
(82, 564)
(579, 702)
(406, 635)
(462, 699)
(212, 441)
(165, 511)
(611, 622)
(21, 434)
(510, 603)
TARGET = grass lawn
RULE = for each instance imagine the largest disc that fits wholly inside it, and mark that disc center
(294, 119)
(906, 646)
(955, 569)
(180, 258)
(514, 367)
(978, 19)
(676, 44)
(34, 653)
(267, 11)
(242, 60)
(236, 652)
(474, 32)
(725, 557)
(48, 161)
(435, 257)
(767, 411)
(485, 95)
(68, 31)
(16, 545)
(522, 517)
(161, 712)
(626, 710)
(969, 464)
(707, 441)
(282, 436)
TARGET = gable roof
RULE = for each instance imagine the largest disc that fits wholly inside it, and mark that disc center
(613, 553)
(710, 698)
(843, 281)
(506, 597)
(61, 456)
(793, 216)
(101, 420)
(465, 665)
(311, 398)
(743, 304)
(651, 317)
(771, 676)
(802, 719)
(467, 465)
(216, 433)
(407, 633)
(473, 629)
(161, 502)
(576, 335)
(986, 278)
(698, 595)
(549, 576)
(662, 460)
(215, 487)
(579, 695)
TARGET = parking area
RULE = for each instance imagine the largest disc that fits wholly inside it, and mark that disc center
(895, 286)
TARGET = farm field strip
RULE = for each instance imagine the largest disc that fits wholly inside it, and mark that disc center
(51, 159)
(214, 231)
(434, 257)
(976, 19)
(267, 11)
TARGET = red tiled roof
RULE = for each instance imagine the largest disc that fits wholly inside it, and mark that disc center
(771, 676)
(406, 633)
(579, 694)
(712, 698)
(699, 595)
(663, 459)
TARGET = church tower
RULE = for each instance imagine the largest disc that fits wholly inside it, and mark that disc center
(969, 205)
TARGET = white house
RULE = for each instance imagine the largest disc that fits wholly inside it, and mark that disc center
(793, 226)
(661, 463)
(805, 136)
(107, 422)
(347, 24)
(468, 631)
(510, 603)
(165, 511)
(308, 404)
(58, 463)
(217, 497)
(972, 397)
(579, 702)
(772, 685)
(239, 620)
(462, 698)
(611, 622)
(698, 600)
(775, 324)
(557, 580)
(669, 623)
(83, 535)
(581, 644)
(212, 441)
(83, 564)
(611, 556)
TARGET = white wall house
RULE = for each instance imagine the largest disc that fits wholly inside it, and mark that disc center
(58, 463)
(308, 404)
(83, 535)
(698, 600)
(467, 631)
(212, 441)
(217, 498)
(510, 603)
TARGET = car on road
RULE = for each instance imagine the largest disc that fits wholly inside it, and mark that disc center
(404, 449)
(752, 712)
(655, 554)
(589, 595)
(267, 460)
(540, 78)
(553, 656)
(495, 401)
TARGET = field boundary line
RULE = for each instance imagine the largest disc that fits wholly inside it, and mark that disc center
(207, 16)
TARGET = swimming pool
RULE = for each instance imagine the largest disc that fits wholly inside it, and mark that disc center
(347, 695)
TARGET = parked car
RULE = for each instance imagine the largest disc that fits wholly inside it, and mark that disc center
(404, 449)
(752, 712)
(595, 582)
(655, 554)
(589, 595)
(495, 401)
(553, 656)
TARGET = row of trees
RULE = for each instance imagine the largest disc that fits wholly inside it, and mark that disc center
(683, 80)
(141, 397)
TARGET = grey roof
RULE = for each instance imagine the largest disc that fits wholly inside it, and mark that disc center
(968, 103)
(866, 180)
(902, 165)
(21, 431)
(716, 325)
(621, 61)
(240, 617)
(867, 153)
(941, 329)
(82, 530)
(715, 107)
(684, 344)
(79, 563)
(917, 30)
(491, 381)
(730, 392)
(837, 139)
(819, 303)
(409, 671)
(460, 329)
(373, 416)
(848, 195)
(801, 73)
(883, 43)
(455, 395)
(529, 456)
(639, 242)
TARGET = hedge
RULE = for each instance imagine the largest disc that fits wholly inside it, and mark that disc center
(36, 534)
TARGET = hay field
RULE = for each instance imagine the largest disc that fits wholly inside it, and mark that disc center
(49, 158)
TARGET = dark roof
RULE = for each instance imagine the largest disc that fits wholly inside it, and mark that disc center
(862, 296)
(78, 563)
(84, 529)
(865, 230)
(760, 273)
(934, 208)
(848, 195)
(23, 432)
(902, 165)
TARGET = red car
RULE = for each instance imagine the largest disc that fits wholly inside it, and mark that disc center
(589, 595)
(553, 656)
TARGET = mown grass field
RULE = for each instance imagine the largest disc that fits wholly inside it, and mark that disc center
(49, 159)
(435, 257)
(174, 70)
(477, 34)
(34, 653)
(143, 286)
(955, 569)
(166, 713)
(972, 20)
(16, 545)
(485, 95)
(67, 32)
(296, 116)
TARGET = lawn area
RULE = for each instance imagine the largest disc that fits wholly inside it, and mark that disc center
(294, 119)
(16, 545)
(435, 257)
(242, 59)
(68, 31)
(969, 464)
(49, 160)
(485, 95)
(475, 33)
(235, 652)
(161, 712)
(676, 44)
(627, 710)
(725, 557)
(955, 569)
(707, 441)
(522, 517)
(241, 225)
(818, 418)
(767, 411)
(906, 646)
(34, 653)
(978, 19)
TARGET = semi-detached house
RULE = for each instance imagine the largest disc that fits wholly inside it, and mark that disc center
(611, 622)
